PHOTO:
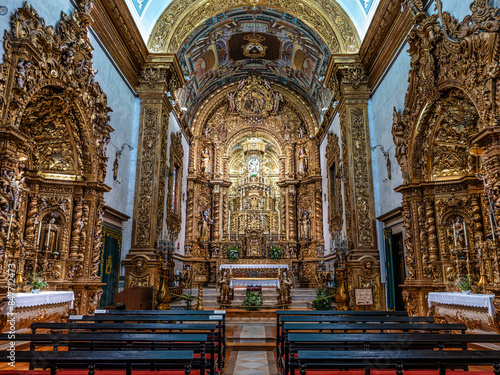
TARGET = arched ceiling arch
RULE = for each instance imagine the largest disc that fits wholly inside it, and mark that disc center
(147, 12)
(182, 17)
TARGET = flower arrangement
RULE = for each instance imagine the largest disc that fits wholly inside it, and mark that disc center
(463, 283)
(233, 253)
(253, 301)
(322, 301)
(36, 282)
(275, 252)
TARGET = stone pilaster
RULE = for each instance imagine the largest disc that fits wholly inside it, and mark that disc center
(364, 261)
(157, 79)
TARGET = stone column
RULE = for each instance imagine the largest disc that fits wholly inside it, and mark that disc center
(351, 82)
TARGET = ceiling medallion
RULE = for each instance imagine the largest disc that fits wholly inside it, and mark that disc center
(254, 49)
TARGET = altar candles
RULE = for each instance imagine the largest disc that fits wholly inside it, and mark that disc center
(48, 235)
(492, 227)
(465, 235)
(10, 225)
(39, 234)
(454, 235)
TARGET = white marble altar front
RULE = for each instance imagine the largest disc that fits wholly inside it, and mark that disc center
(27, 308)
(476, 311)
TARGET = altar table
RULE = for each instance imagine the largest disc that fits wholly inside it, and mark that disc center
(254, 281)
(252, 266)
(476, 311)
(35, 307)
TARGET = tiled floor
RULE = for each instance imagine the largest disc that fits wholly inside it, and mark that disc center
(251, 363)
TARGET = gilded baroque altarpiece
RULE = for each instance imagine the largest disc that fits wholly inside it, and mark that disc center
(447, 143)
(54, 132)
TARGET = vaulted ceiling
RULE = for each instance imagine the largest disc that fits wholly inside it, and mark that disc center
(283, 41)
(148, 12)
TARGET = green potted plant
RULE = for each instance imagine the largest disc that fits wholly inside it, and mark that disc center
(187, 298)
(322, 301)
(463, 283)
(275, 252)
(36, 282)
(233, 253)
(253, 302)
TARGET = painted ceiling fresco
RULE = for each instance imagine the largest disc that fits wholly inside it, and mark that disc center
(272, 44)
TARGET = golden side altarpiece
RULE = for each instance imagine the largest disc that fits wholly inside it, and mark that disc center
(447, 144)
(53, 146)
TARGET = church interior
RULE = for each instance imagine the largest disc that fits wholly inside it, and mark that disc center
(249, 187)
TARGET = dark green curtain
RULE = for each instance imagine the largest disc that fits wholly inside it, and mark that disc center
(389, 261)
(110, 263)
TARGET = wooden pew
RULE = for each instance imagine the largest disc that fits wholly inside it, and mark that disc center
(112, 359)
(217, 319)
(396, 359)
(386, 341)
(105, 341)
(280, 313)
(364, 318)
(139, 328)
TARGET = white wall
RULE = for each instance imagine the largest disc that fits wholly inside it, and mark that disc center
(327, 236)
(174, 127)
(124, 118)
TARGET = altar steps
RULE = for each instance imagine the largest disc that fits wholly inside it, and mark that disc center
(301, 298)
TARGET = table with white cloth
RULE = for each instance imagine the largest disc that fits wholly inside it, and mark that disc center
(27, 308)
(476, 311)
(252, 266)
(250, 281)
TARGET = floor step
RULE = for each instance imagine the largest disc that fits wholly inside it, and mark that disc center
(251, 346)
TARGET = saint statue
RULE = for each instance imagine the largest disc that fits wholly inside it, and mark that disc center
(303, 163)
(205, 161)
(305, 226)
(284, 291)
(224, 298)
(205, 224)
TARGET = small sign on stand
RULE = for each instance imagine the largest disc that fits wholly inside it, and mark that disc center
(363, 297)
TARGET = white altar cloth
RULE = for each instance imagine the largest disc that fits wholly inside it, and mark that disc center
(461, 299)
(254, 282)
(43, 298)
(251, 266)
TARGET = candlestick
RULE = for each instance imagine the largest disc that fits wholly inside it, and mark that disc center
(454, 235)
(10, 225)
(465, 234)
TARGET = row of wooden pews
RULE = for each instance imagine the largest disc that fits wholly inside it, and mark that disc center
(324, 343)
(161, 342)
